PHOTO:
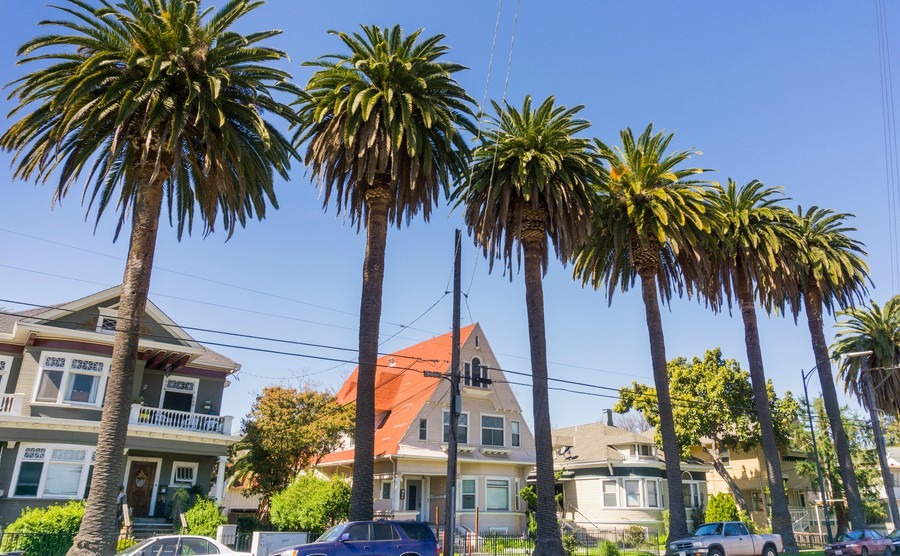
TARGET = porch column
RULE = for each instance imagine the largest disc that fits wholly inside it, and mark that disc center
(220, 479)
(396, 503)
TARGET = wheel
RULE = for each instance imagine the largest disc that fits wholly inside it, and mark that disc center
(769, 550)
(864, 551)
(715, 552)
(888, 551)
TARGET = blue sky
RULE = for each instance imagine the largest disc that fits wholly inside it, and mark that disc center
(785, 92)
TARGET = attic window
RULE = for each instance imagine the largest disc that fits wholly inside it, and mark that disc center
(476, 341)
(475, 374)
(106, 322)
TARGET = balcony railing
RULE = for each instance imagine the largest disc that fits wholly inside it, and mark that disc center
(180, 420)
(11, 404)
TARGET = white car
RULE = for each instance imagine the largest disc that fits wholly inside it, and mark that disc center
(180, 545)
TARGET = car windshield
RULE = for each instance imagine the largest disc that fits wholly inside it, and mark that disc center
(709, 529)
(850, 536)
(895, 534)
(331, 534)
(136, 548)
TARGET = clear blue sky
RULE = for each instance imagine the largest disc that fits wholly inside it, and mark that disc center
(788, 93)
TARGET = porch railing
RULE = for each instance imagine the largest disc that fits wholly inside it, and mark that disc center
(181, 420)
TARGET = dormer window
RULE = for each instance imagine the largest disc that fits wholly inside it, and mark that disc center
(475, 374)
(106, 322)
(641, 450)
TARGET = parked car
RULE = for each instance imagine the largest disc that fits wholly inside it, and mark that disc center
(727, 538)
(860, 542)
(895, 538)
(180, 545)
(398, 538)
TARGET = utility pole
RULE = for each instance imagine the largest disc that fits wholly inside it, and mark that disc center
(812, 433)
(450, 506)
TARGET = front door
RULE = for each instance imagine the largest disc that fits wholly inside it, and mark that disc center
(139, 490)
(414, 496)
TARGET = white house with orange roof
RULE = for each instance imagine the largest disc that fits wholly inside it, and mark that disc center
(496, 448)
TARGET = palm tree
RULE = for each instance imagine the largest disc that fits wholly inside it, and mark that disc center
(830, 273)
(647, 222)
(158, 99)
(530, 182)
(868, 342)
(380, 123)
(750, 260)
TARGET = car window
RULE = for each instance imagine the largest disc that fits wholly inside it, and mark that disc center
(731, 530)
(194, 546)
(417, 531)
(874, 535)
(161, 547)
(895, 534)
(384, 532)
(331, 534)
(709, 529)
(850, 536)
(358, 532)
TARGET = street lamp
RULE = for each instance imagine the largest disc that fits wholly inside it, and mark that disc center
(812, 432)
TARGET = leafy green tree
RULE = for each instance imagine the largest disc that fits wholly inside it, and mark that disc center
(724, 389)
(203, 518)
(380, 124)
(287, 430)
(750, 262)
(530, 183)
(312, 503)
(45, 529)
(647, 221)
(831, 273)
(151, 99)
(721, 507)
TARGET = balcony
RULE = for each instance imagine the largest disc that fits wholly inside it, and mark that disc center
(180, 420)
(11, 404)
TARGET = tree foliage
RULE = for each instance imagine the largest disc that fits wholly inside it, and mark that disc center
(311, 503)
(203, 518)
(53, 526)
(721, 507)
(287, 431)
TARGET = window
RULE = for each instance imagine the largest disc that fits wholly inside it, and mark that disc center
(5, 367)
(468, 499)
(516, 495)
(515, 437)
(652, 494)
(610, 494)
(383, 532)
(492, 431)
(475, 374)
(423, 429)
(106, 322)
(632, 493)
(191, 546)
(184, 473)
(385, 490)
(641, 450)
(52, 471)
(691, 494)
(358, 532)
(497, 491)
(462, 428)
(66, 378)
(725, 457)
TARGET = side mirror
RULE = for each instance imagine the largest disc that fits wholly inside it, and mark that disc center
(344, 537)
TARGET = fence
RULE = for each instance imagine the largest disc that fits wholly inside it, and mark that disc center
(35, 544)
(633, 541)
(810, 540)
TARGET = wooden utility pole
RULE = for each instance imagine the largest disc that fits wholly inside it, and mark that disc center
(455, 406)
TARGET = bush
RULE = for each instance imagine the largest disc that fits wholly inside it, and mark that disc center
(58, 525)
(311, 503)
(203, 519)
(607, 548)
(124, 543)
(745, 518)
(635, 536)
(570, 544)
(721, 507)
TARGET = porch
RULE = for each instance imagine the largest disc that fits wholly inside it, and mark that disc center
(180, 420)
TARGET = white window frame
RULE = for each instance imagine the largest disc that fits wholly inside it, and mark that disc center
(107, 313)
(725, 457)
(696, 493)
(68, 376)
(390, 487)
(502, 431)
(468, 426)
(47, 460)
(6, 363)
(423, 428)
(515, 434)
(516, 496)
(508, 488)
(639, 503)
(462, 480)
(176, 464)
(603, 492)
(652, 501)
(180, 378)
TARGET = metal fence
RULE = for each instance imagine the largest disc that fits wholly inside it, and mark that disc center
(35, 544)
(635, 541)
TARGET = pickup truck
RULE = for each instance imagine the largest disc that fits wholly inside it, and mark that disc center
(726, 538)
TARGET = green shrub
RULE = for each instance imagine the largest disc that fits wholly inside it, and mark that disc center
(745, 518)
(59, 524)
(635, 536)
(721, 507)
(607, 548)
(570, 544)
(203, 519)
(126, 542)
(311, 503)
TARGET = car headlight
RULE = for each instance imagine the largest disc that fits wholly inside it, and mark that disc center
(852, 545)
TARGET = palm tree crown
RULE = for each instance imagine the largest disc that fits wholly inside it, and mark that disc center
(650, 214)
(385, 115)
(530, 179)
(155, 88)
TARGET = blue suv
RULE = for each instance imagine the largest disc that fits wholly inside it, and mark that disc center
(371, 538)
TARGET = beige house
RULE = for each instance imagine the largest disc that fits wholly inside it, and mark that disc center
(496, 448)
(613, 478)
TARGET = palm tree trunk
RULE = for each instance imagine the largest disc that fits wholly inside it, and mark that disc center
(736, 491)
(549, 542)
(677, 513)
(781, 516)
(883, 463)
(98, 533)
(813, 304)
(377, 202)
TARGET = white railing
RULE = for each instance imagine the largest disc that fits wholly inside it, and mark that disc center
(11, 404)
(800, 518)
(181, 420)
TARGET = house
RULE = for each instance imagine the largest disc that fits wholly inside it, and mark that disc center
(612, 478)
(54, 364)
(496, 448)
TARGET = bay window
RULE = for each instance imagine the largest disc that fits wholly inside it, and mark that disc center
(52, 471)
(497, 494)
(68, 378)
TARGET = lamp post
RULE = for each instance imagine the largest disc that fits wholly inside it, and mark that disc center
(812, 433)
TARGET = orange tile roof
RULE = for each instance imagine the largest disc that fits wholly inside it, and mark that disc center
(401, 389)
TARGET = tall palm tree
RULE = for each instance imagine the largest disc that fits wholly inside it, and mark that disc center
(749, 251)
(381, 126)
(647, 222)
(873, 377)
(530, 183)
(159, 99)
(830, 273)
